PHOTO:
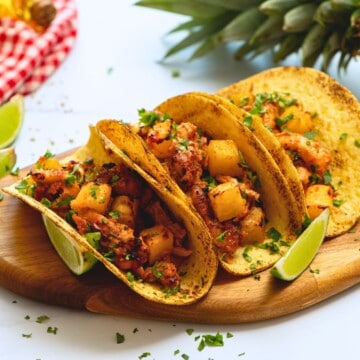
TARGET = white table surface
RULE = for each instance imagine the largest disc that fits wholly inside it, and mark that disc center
(113, 71)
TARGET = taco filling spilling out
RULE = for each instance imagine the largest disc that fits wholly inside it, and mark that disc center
(309, 118)
(117, 212)
(126, 219)
(214, 175)
(294, 128)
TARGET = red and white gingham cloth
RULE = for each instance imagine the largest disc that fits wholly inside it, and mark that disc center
(28, 58)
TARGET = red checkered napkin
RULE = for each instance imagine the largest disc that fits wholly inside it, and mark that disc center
(28, 58)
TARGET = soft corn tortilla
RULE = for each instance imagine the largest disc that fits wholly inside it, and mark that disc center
(280, 207)
(338, 113)
(200, 268)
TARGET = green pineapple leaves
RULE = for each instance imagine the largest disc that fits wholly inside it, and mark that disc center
(314, 29)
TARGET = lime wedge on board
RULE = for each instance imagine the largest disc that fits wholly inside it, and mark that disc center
(303, 250)
(78, 259)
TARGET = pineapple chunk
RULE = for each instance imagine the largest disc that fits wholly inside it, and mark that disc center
(223, 158)
(92, 197)
(318, 197)
(227, 201)
(125, 209)
(160, 242)
(298, 120)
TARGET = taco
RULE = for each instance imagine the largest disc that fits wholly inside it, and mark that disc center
(143, 234)
(220, 167)
(317, 123)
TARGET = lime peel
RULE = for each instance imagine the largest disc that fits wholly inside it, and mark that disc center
(11, 120)
(303, 250)
(77, 258)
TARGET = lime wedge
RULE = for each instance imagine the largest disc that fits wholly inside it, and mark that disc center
(7, 160)
(78, 259)
(11, 120)
(303, 250)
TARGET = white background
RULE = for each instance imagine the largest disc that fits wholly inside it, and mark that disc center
(115, 69)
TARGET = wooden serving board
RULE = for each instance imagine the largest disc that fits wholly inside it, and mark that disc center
(29, 266)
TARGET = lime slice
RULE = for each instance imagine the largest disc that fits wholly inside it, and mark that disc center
(11, 120)
(303, 250)
(78, 259)
(7, 160)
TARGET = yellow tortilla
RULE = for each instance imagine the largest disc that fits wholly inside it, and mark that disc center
(338, 113)
(280, 207)
(199, 269)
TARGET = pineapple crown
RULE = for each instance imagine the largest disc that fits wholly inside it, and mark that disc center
(317, 30)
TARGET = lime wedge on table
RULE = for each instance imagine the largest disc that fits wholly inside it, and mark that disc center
(303, 250)
(78, 259)
(7, 160)
(11, 120)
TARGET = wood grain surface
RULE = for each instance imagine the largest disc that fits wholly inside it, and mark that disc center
(29, 266)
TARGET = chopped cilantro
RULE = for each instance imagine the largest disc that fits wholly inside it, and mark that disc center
(52, 330)
(327, 177)
(42, 318)
(247, 121)
(120, 338)
(148, 118)
(211, 182)
(246, 255)
(27, 317)
(93, 238)
(343, 136)
(28, 336)
(185, 356)
(46, 202)
(175, 73)
(315, 271)
(48, 155)
(211, 340)
(338, 202)
(273, 234)
(281, 122)
(93, 191)
(221, 236)
(176, 352)
(189, 331)
(144, 355)
(357, 143)
(130, 276)
(311, 135)
(184, 144)
(1, 196)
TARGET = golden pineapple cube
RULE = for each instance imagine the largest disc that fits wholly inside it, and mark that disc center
(159, 240)
(94, 197)
(227, 201)
(297, 120)
(125, 210)
(318, 197)
(223, 158)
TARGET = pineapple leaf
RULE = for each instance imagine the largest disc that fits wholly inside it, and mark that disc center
(290, 43)
(232, 4)
(313, 44)
(279, 7)
(191, 8)
(206, 30)
(300, 18)
(270, 29)
(243, 26)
